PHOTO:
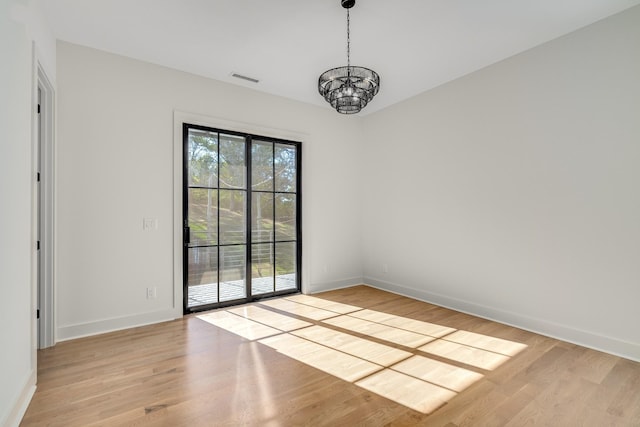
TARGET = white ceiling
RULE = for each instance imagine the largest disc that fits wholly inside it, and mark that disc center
(414, 45)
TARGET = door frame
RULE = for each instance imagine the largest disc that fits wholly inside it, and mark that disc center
(44, 207)
(248, 141)
(180, 117)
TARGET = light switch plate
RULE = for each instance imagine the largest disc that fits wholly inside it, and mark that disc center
(149, 224)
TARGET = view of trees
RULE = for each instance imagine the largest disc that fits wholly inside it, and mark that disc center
(217, 207)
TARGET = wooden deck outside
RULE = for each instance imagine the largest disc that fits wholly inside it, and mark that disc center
(236, 289)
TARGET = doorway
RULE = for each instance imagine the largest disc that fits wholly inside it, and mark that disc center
(241, 217)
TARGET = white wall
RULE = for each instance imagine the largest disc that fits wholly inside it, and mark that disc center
(513, 193)
(115, 160)
(15, 228)
(39, 31)
(18, 29)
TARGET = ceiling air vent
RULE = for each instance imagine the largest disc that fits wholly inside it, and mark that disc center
(240, 76)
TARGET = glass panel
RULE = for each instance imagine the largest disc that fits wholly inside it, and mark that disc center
(233, 172)
(203, 217)
(285, 266)
(232, 217)
(285, 216)
(262, 217)
(203, 158)
(232, 272)
(262, 166)
(261, 268)
(202, 277)
(285, 166)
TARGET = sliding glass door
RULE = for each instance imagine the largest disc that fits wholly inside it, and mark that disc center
(241, 213)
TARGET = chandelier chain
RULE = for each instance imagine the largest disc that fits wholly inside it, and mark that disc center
(348, 41)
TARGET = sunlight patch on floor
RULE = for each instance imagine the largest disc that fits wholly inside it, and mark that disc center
(438, 373)
(239, 325)
(485, 342)
(483, 359)
(269, 318)
(334, 362)
(410, 378)
(368, 350)
(408, 391)
(323, 303)
(405, 323)
(298, 309)
(380, 331)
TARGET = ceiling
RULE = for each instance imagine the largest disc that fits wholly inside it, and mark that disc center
(414, 45)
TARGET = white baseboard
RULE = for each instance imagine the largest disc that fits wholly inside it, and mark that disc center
(69, 332)
(314, 288)
(21, 403)
(614, 346)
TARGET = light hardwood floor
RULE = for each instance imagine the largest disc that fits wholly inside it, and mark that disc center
(356, 356)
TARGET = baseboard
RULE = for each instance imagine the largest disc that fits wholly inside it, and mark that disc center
(19, 408)
(314, 288)
(614, 346)
(69, 332)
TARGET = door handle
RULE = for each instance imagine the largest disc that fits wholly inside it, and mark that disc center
(187, 236)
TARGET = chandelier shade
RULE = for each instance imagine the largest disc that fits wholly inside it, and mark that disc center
(349, 88)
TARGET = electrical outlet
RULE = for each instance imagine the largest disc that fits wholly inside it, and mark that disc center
(152, 293)
(385, 268)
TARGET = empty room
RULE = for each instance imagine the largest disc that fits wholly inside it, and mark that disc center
(320, 213)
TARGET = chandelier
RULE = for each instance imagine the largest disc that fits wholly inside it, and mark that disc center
(348, 89)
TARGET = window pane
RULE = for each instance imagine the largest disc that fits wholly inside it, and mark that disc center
(203, 158)
(285, 166)
(261, 268)
(285, 216)
(232, 216)
(262, 217)
(232, 162)
(203, 217)
(262, 166)
(285, 266)
(232, 272)
(202, 277)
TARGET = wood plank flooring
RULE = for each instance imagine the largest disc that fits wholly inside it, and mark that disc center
(356, 356)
